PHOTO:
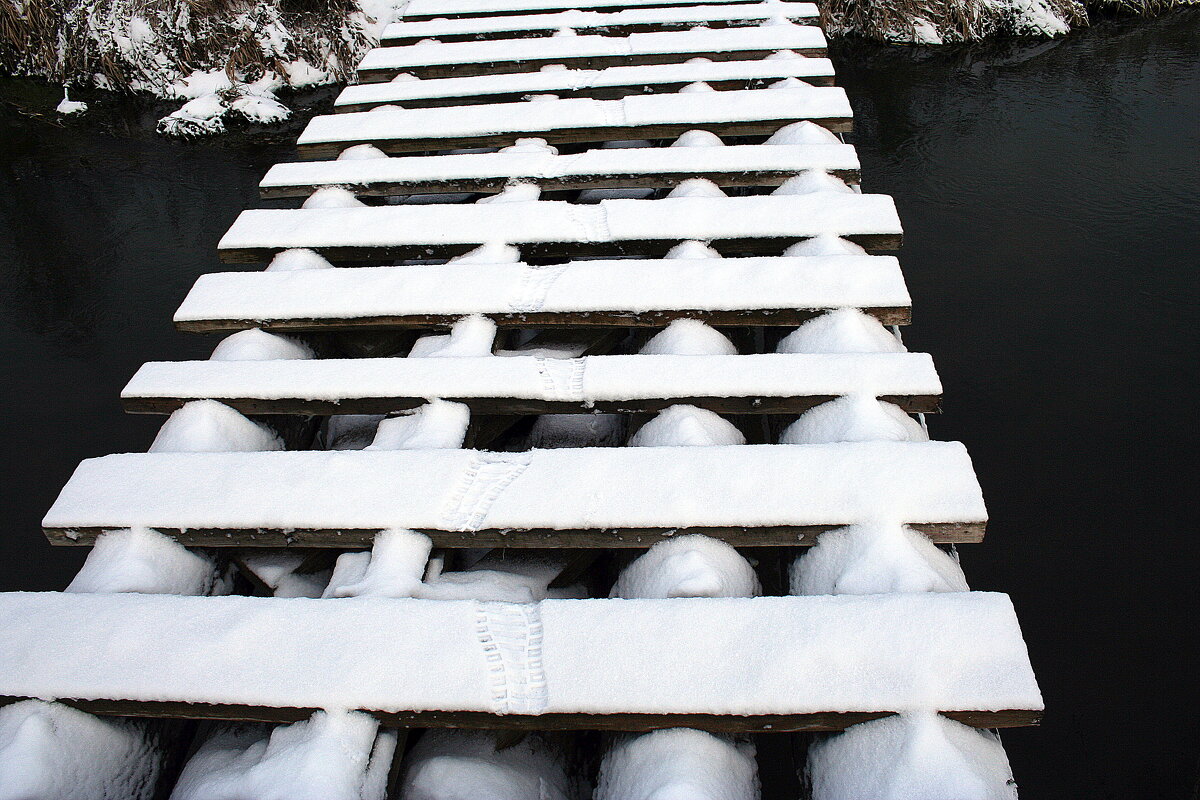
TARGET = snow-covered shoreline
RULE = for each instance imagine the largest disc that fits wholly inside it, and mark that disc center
(227, 59)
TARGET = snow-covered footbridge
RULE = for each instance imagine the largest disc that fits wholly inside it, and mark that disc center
(566, 447)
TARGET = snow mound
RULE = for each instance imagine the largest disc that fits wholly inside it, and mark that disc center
(206, 426)
(198, 117)
(696, 86)
(698, 139)
(277, 569)
(678, 764)
(919, 756)
(349, 431)
(361, 152)
(394, 568)
(256, 344)
(332, 197)
(843, 330)
(790, 83)
(696, 187)
(485, 585)
(692, 249)
(435, 425)
(470, 337)
(260, 109)
(577, 430)
(875, 558)
(145, 561)
(330, 756)
(52, 752)
(513, 193)
(693, 565)
(489, 253)
(530, 145)
(813, 180)
(298, 258)
(804, 132)
(689, 337)
(825, 244)
(687, 426)
(854, 418)
(466, 765)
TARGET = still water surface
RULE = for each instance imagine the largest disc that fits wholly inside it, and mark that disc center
(1051, 199)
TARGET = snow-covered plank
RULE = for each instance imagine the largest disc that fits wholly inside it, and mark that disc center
(655, 167)
(624, 21)
(550, 228)
(434, 9)
(587, 497)
(743, 112)
(437, 60)
(570, 663)
(602, 84)
(775, 291)
(763, 383)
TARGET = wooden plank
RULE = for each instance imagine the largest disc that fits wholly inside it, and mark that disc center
(604, 84)
(759, 224)
(585, 497)
(768, 383)
(645, 167)
(634, 723)
(458, 59)
(434, 9)
(620, 22)
(753, 112)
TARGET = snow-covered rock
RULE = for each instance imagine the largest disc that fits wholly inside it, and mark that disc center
(687, 426)
(145, 561)
(803, 132)
(256, 344)
(49, 751)
(395, 568)
(437, 424)
(298, 258)
(678, 764)
(875, 558)
(692, 565)
(466, 765)
(698, 139)
(689, 337)
(469, 337)
(206, 426)
(332, 197)
(854, 418)
(843, 330)
(330, 756)
(917, 756)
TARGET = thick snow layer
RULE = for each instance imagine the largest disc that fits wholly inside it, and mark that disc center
(686, 426)
(141, 560)
(687, 566)
(671, 218)
(688, 337)
(396, 567)
(918, 756)
(298, 259)
(551, 49)
(466, 765)
(278, 570)
(51, 752)
(330, 756)
(854, 418)
(576, 19)
(436, 424)
(875, 558)
(593, 487)
(332, 197)
(585, 380)
(461, 288)
(470, 337)
(678, 764)
(577, 430)
(633, 112)
(349, 431)
(206, 426)
(843, 330)
(956, 651)
(802, 133)
(258, 345)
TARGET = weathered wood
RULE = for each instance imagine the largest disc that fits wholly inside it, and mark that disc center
(781, 723)
(611, 538)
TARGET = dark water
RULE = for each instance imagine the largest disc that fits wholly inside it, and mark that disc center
(1051, 196)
